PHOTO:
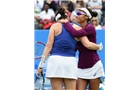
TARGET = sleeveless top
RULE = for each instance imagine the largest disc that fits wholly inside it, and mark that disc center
(64, 44)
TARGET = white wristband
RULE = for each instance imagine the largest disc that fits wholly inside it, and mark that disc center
(41, 64)
(101, 47)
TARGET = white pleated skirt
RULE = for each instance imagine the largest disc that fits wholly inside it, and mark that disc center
(61, 67)
(95, 71)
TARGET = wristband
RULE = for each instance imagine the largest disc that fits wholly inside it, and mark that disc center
(41, 64)
(101, 47)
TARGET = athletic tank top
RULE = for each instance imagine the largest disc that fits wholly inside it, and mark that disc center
(64, 44)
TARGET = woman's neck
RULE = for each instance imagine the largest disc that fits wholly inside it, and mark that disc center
(61, 20)
(83, 24)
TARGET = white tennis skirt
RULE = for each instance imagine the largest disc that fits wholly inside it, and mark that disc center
(61, 67)
(95, 71)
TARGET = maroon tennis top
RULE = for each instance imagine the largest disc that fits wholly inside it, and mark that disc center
(87, 58)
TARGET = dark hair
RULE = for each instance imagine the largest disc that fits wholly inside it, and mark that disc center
(45, 3)
(62, 12)
(93, 14)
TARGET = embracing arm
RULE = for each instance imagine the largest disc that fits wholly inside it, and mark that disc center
(82, 32)
(88, 44)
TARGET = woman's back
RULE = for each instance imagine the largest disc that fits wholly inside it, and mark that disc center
(64, 43)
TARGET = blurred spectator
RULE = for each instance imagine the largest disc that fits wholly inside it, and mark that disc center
(103, 27)
(86, 2)
(96, 5)
(52, 4)
(90, 0)
(72, 1)
(81, 2)
(69, 3)
(57, 2)
(36, 16)
(95, 23)
(103, 13)
(64, 5)
(46, 17)
(39, 4)
(74, 13)
(70, 6)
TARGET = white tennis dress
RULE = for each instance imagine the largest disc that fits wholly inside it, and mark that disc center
(61, 67)
(91, 73)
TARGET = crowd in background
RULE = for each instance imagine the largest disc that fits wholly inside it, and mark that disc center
(45, 12)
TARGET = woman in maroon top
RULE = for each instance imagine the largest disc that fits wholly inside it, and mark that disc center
(90, 68)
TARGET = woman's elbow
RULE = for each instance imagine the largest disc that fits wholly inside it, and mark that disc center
(49, 46)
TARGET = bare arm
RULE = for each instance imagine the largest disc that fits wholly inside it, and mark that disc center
(96, 7)
(88, 44)
(52, 19)
(49, 44)
(37, 18)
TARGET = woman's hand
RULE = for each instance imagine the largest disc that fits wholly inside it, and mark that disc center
(101, 46)
(39, 70)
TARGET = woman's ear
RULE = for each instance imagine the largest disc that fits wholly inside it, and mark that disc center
(86, 17)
